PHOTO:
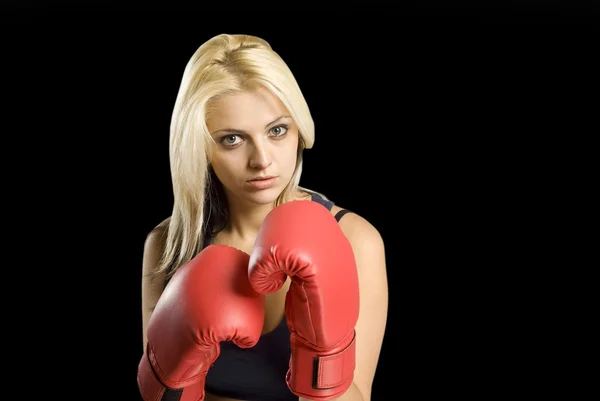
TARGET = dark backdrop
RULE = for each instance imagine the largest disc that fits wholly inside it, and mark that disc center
(426, 122)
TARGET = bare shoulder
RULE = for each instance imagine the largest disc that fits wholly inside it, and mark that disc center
(154, 246)
(163, 225)
(367, 245)
(364, 237)
(153, 283)
(158, 233)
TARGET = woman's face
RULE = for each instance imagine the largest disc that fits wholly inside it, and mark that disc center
(256, 144)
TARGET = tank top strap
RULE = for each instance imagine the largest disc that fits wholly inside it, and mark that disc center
(319, 199)
(329, 204)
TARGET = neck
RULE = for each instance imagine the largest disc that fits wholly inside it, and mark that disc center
(245, 219)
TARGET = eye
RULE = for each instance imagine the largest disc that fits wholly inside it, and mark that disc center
(279, 130)
(229, 140)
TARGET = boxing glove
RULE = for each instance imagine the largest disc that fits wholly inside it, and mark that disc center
(208, 300)
(302, 240)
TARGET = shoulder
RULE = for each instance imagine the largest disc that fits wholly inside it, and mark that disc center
(154, 245)
(359, 230)
(153, 280)
(365, 238)
(159, 231)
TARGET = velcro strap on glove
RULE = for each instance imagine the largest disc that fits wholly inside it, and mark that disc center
(335, 370)
(321, 375)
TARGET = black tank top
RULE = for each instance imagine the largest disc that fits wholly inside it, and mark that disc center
(257, 373)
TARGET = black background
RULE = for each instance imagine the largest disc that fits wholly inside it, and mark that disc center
(432, 123)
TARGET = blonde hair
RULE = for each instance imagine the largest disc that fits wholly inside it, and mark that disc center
(224, 64)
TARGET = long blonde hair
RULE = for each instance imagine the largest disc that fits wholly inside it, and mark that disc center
(224, 64)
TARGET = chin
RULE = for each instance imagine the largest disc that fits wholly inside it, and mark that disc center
(264, 197)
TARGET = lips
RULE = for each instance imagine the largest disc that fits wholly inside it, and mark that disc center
(259, 183)
(267, 177)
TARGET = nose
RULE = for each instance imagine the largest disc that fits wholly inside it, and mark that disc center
(260, 157)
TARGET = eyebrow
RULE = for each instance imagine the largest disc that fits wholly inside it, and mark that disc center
(244, 132)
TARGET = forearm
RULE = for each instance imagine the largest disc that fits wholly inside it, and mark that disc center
(352, 394)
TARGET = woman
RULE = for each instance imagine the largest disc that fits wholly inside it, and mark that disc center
(238, 131)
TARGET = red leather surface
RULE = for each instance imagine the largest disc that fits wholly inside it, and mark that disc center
(207, 301)
(301, 239)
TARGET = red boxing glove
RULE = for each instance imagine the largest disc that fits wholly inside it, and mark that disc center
(208, 300)
(301, 239)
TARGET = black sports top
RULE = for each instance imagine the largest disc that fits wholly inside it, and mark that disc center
(257, 373)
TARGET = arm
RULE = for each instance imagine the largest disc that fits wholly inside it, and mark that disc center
(151, 288)
(352, 394)
(369, 253)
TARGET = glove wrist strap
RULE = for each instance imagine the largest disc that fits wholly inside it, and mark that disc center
(321, 375)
